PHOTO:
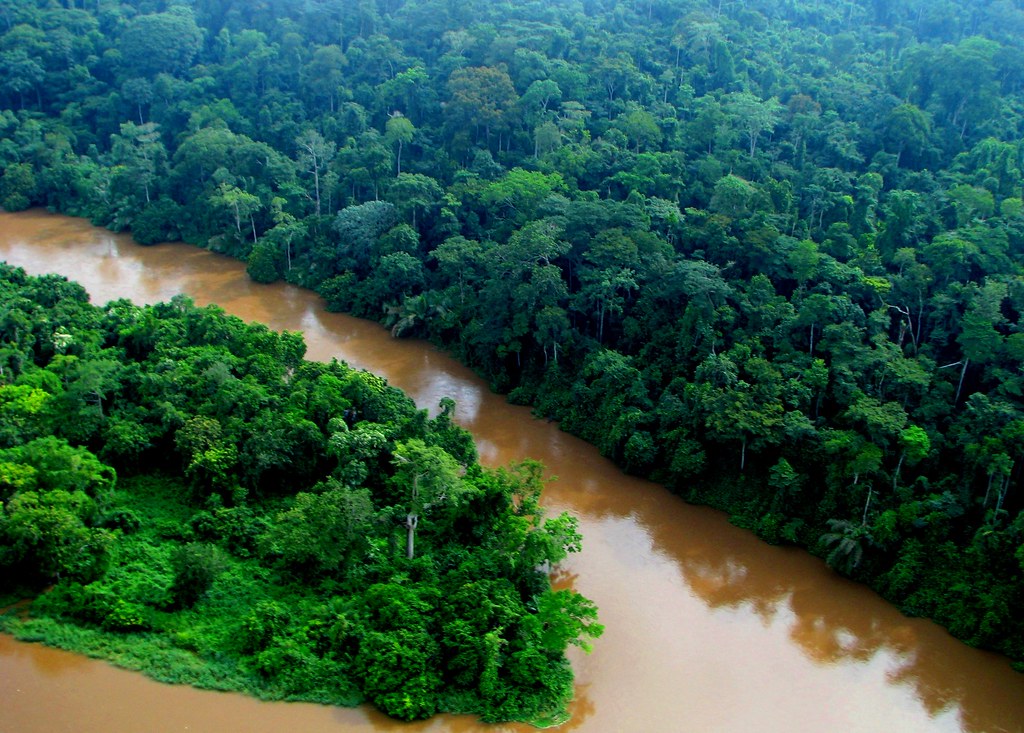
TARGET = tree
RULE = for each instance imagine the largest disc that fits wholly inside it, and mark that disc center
(399, 131)
(414, 192)
(358, 228)
(565, 617)
(196, 565)
(315, 155)
(321, 531)
(210, 459)
(20, 74)
(139, 149)
(519, 193)
(49, 498)
(909, 129)
(964, 80)
(242, 204)
(47, 536)
(753, 115)
(324, 75)
(546, 137)
(429, 480)
(539, 96)
(160, 42)
(461, 262)
(139, 91)
(737, 414)
(640, 127)
(607, 289)
(732, 196)
(18, 187)
(971, 203)
(481, 96)
(914, 446)
(847, 541)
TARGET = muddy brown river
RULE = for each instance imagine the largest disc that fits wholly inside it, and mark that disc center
(708, 629)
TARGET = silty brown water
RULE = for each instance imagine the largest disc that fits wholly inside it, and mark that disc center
(708, 629)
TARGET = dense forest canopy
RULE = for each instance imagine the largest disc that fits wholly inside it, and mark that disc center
(211, 508)
(767, 253)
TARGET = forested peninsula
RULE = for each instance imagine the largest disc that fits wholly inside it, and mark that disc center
(210, 508)
(765, 253)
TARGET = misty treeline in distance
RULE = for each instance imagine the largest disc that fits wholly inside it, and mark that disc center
(765, 253)
(210, 508)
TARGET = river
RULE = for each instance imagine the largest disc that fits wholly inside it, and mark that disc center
(707, 628)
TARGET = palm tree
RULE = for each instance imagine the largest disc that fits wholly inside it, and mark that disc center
(847, 540)
(415, 311)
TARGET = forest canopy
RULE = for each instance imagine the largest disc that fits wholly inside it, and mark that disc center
(766, 253)
(207, 506)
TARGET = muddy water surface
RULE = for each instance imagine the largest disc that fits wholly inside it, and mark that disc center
(708, 629)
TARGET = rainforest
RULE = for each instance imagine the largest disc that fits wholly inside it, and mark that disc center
(766, 254)
(254, 521)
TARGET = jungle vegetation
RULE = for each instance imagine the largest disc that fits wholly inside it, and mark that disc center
(765, 253)
(203, 504)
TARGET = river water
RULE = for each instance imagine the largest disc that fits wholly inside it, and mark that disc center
(707, 628)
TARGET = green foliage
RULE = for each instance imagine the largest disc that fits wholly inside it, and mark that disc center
(195, 567)
(321, 531)
(18, 187)
(47, 536)
(263, 264)
(804, 275)
(277, 555)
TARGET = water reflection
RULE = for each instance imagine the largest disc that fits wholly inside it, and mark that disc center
(849, 626)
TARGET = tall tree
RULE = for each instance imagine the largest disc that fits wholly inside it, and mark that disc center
(429, 480)
(315, 155)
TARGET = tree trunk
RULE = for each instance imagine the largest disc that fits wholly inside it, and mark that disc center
(896, 473)
(961, 384)
(316, 184)
(411, 520)
(1002, 492)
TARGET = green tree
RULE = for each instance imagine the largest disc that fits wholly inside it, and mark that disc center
(481, 97)
(195, 566)
(520, 193)
(909, 130)
(139, 149)
(20, 74)
(240, 204)
(914, 446)
(753, 115)
(315, 155)
(429, 480)
(399, 132)
(160, 42)
(18, 187)
(414, 192)
(322, 531)
(640, 128)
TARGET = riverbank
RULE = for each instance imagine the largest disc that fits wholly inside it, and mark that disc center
(706, 624)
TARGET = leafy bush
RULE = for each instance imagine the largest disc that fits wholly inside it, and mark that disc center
(196, 565)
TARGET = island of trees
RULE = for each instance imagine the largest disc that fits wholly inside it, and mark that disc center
(211, 508)
(766, 253)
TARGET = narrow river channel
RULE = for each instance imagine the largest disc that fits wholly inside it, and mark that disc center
(708, 629)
